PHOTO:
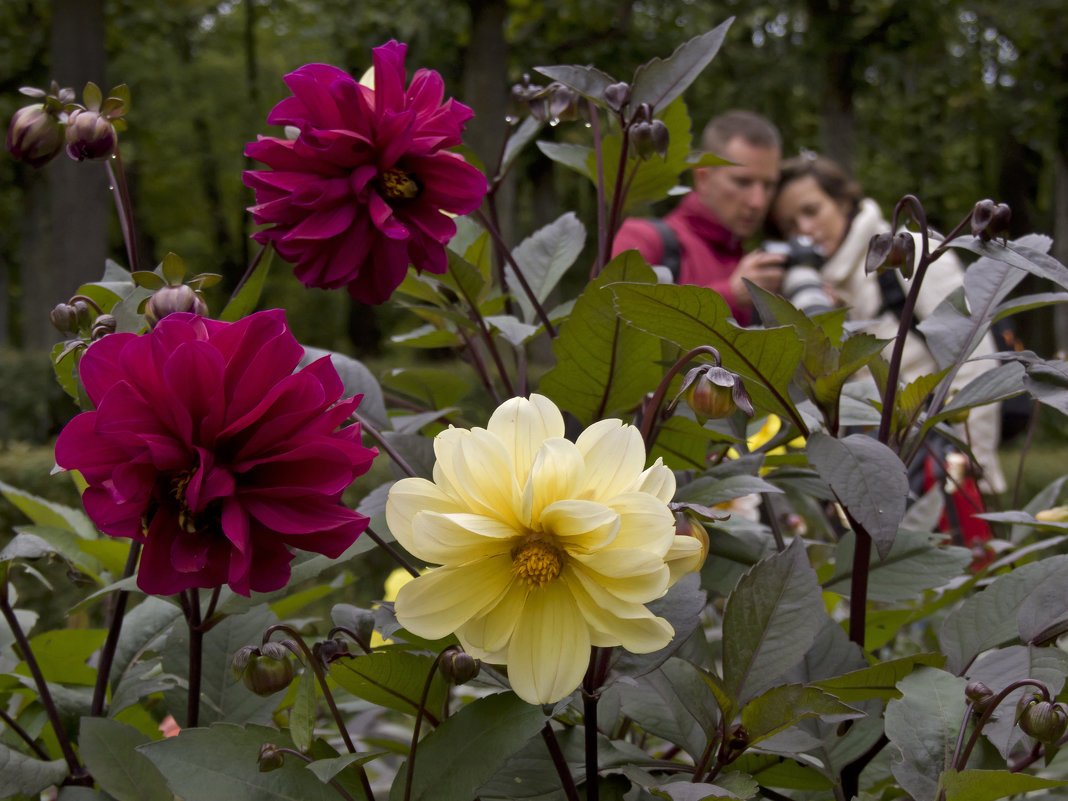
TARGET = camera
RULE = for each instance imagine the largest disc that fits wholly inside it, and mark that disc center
(801, 284)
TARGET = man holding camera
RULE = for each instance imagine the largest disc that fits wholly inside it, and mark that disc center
(728, 205)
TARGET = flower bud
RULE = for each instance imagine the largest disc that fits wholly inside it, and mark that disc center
(713, 392)
(980, 696)
(35, 135)
(458, 666)
(617, 95)
(990, 219)
(641, 139)
(84, 313)
(1045, 721)
(265, 670)
(329, 650)
(171, 299)
(65, 318)
(661, 138)
(103, 325)
(1058, 514)
(735, 743)
(563, 103)
(687, 525)
(270, 757)
(887, 251)
(90, 135)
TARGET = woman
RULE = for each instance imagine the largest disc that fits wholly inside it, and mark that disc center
(818, 199)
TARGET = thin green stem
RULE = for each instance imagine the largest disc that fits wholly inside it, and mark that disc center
(383, 443)
(652, 410)
(316, 668)
(619, 191)
(77, 772)
(107, 653)
(121, 192)
(191, 608)
(396, 555)
(418, 724)
(602, 221)
(12, 724)
(567, 781)
(480, 366)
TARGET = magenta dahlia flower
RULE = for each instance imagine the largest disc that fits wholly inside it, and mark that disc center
(206, 447)
(362, 191)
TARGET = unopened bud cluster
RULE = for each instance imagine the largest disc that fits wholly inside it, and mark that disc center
(554, 103)
(714, 392)
(990, 219)
(1046, 721)
(170, 293)
(265, 670)
(648, 135)
(458, 666)
(889, 251)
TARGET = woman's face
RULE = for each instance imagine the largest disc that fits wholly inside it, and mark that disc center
(802, 208)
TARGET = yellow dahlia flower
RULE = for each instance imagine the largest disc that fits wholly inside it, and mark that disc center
(547, 547)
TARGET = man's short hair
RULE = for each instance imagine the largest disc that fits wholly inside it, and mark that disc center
(755, 129)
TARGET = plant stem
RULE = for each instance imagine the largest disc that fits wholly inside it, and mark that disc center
(858, 584)
(107, 654)
(559, 762)
(619, 191)
(591, 694)
(538, 308)
(77, 772)
(480, 366)
(602, 221)
(652, 409)
(316, 668)
(121, 192)
(12, 724)
(397, 556)
(383, 443)
(191, 607)
(960, 758)
(418, 724)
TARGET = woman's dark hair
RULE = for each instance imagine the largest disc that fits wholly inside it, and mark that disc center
(832, 179)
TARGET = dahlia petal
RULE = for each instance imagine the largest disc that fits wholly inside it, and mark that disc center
(627, 574)
(482, 471)
(189, 552)
(550, 646)
(522, 424)
(490, 632)
(657, 481)
(383, 218)
(435, 225)
(558, 472)
(583, 526)
(615, 457)
(438, 603)
(208, 483)
(79, 448)
(114, 519)
(630, 625)
(644, 522)
(451, 539)
(450, 183)
(407, 498)
(298, 515)
(685, 556)
(99, 366)
(425, 254)
(270, 568)
(235, 525)
(194, 376)
(388, 62)
(324, 224)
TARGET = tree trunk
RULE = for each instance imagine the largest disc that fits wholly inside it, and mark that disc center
(65, 233)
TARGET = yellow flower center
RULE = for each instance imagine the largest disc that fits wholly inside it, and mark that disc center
(398, 185)
(537, 562)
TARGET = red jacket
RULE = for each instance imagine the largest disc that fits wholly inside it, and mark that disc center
(709, 252)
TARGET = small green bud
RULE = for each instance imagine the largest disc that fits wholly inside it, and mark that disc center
(35, 135)
(264, 670)
(980, 696)
(90, 135)
(65, 318)
(714, 392)
(617, 95)
(103, 325)
(270, 758)
(1045, 721)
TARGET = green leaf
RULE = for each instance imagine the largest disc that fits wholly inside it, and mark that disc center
(674, 703)
(543, 259)
(867, 478)
(682, 607)
(145, 624)
(918, 561)
(877, 681)
(690, 316)
(683, 443)
(577, 157)
(989, 618)
(922, 727)
(660, 81)
(771, 770)
(358, 380)
(326, 769)
(782, 707)
(220, 763)
(243, 302)
(393, 679)
(427, 336)
(682, 790)
(61, 655)
(464, 752)
(771, 619)
(989, 785)
(47, 513)
(603, 367)
(302, 714)
(514, 331)
(107, 748)
(439, 388)
(1001, 382)
(173, 269)
(148, 279)
(67, 545)
(25, 775)
(589, 82)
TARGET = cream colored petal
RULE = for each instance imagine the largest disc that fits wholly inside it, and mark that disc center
(445, 445)
(550, 646)
(631, 625)
(658, 481)
(580, 526)
(440, 602)
(454, 539)
(615, 457)
(557, 473)
(522, 425)
(686, 555)
(631, 575)
(644, 522)
(407, 498)
(490, 633)
(480, 471)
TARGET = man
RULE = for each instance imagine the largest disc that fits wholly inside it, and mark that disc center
(727, 205)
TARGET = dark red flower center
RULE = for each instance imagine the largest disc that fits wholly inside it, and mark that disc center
(171, 494)
(399, 185)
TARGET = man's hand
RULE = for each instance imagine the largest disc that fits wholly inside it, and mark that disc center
(763, 269)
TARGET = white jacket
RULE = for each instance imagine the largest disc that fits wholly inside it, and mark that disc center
(844, 273)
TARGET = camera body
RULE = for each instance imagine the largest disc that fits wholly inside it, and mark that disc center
(801, 284)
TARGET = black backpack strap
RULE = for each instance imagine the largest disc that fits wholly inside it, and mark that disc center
(672, 255)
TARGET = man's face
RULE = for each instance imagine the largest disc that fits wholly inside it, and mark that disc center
(739, 195)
